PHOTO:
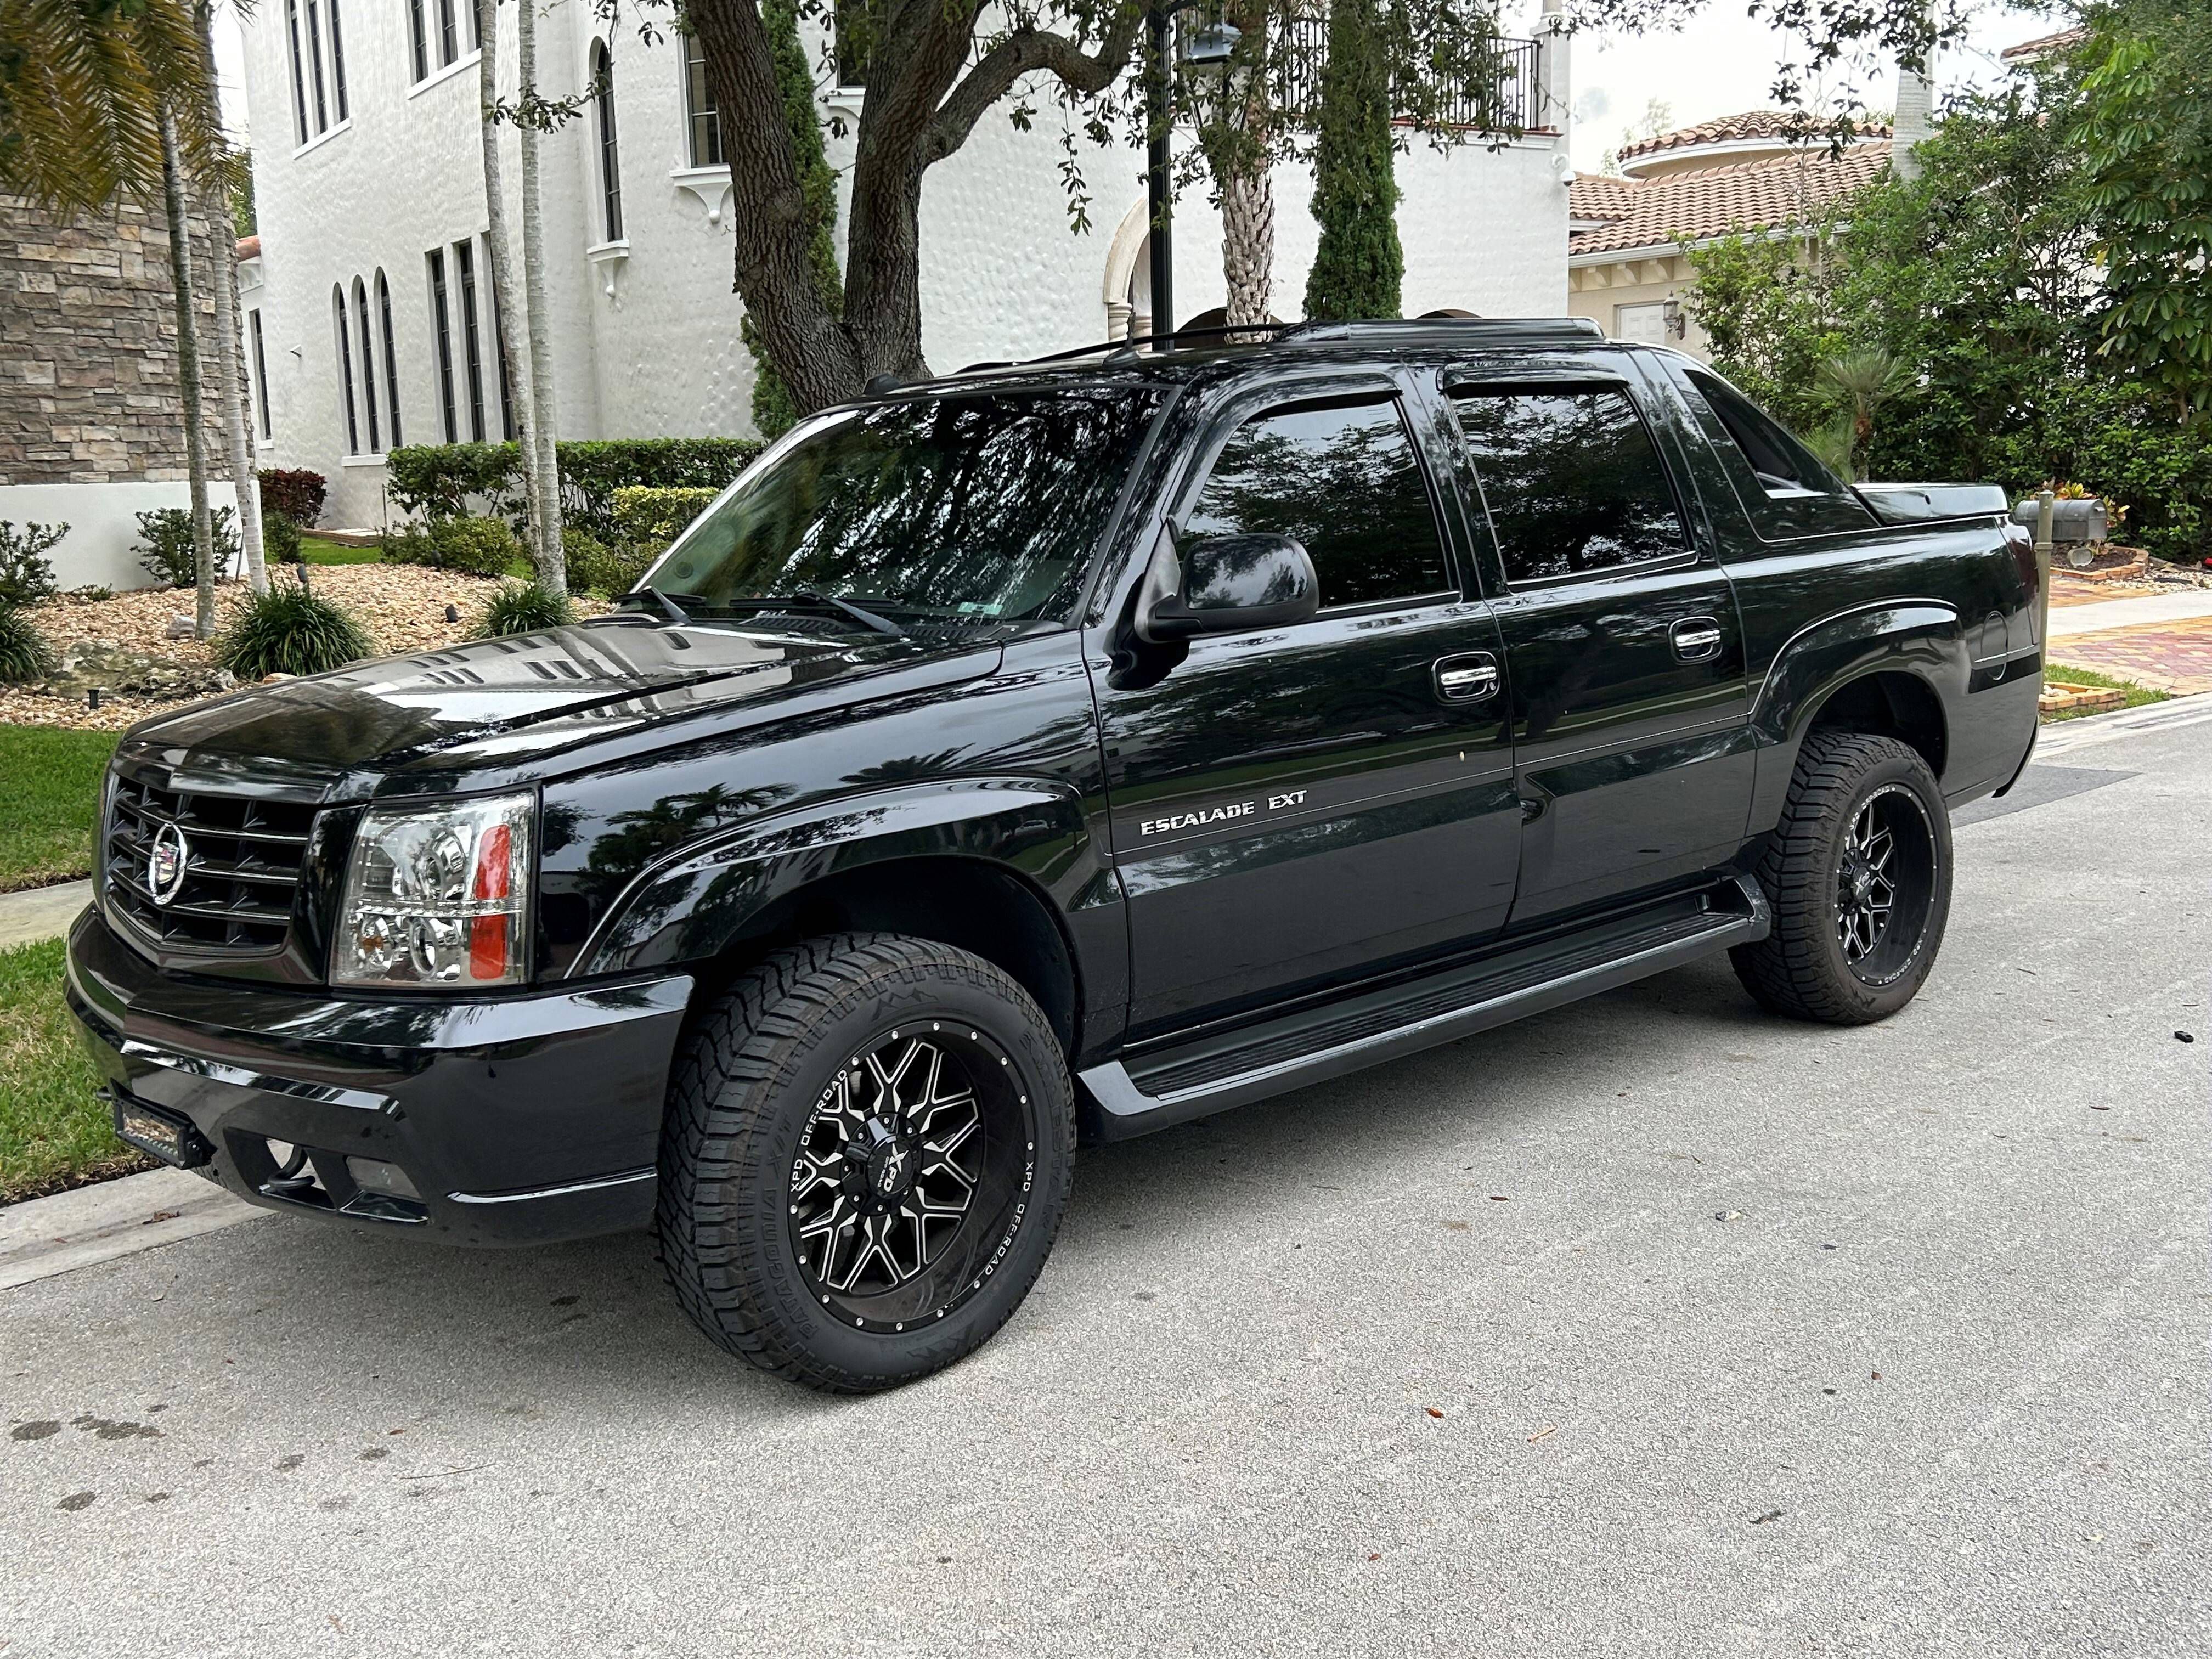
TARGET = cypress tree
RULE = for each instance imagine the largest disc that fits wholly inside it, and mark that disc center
(774, 410)
(1360, 267)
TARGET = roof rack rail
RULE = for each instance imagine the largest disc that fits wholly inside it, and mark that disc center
(1529, 331)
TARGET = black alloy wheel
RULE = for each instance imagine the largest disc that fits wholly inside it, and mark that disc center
(911, 1176)
(1858, 871)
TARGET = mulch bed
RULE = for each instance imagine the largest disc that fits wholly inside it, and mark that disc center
(401, 606)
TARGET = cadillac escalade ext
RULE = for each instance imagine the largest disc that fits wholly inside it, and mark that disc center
(1054, 753)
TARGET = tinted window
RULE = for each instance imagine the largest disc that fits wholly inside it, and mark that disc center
(1340, 478)
(1789, 492)
(959, 511)
(1573, 483)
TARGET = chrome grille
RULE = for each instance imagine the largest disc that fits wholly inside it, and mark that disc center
(241, 868)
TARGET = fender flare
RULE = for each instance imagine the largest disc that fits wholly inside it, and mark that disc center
(695, 902)
(1918, 637)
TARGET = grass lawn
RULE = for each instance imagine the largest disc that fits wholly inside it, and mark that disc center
(54, 1133)
(315, 551)
(50, 780)
(2137, 695)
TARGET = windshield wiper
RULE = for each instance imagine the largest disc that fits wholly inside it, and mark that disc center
(820, 601)
(666, 602)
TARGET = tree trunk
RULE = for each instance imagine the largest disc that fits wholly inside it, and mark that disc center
(552, 560)
(503, 288)
(230, 350)
(1241, 153)
(188, 375)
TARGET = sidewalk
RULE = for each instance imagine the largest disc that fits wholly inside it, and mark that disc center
(40, 912)
(2163, 641)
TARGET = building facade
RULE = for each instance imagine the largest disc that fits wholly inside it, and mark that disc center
(369, 316)
(1630, 232)
(92, 426)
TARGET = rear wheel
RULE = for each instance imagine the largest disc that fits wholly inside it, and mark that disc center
(1859, 875)
(869, 1145)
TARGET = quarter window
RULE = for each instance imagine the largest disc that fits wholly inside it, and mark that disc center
(699, 106)
(1574, 484)
(1783, 484)
(1342, 478)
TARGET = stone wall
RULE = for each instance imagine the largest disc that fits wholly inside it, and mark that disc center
(88, 389)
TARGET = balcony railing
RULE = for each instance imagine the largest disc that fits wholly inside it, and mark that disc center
(1502, 98)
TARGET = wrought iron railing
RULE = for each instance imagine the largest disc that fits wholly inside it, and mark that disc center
(1501, 96)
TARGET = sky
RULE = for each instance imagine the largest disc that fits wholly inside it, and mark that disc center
(1720, 63)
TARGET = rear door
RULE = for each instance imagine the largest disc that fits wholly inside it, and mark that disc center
(1624, 650)
(1301, 804)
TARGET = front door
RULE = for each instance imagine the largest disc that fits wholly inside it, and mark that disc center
(1293, 805)
(1629, 717)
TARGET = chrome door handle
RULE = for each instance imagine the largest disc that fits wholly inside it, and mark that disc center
(1466, 679)
(1697, 639)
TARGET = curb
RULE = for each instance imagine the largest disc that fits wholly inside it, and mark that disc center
(42, 1237)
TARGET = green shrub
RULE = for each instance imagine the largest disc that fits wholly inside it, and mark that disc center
(476, 547)
(596, 568)
(521, 608)
(26, 574)
(165, 538)
(24, 653)
(438, 481)
(657, 516)
(295, 492)
(288, 630)
(280, 538)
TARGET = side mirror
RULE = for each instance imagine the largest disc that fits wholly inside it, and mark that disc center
(1226, 585)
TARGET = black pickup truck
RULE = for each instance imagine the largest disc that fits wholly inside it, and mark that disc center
(1044, 752)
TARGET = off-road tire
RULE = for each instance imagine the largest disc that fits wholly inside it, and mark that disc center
(745, 1088)
(1801, 967)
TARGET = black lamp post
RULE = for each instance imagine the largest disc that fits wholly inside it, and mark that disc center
(1206, 48)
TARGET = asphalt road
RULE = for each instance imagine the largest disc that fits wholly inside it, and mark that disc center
(1746, 1338)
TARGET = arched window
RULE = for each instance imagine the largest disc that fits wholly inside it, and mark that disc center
(706, 121)
(345, 371)
(360, 330)
(603, 74)
(390, 357)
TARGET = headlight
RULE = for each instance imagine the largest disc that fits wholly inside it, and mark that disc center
(438, 895)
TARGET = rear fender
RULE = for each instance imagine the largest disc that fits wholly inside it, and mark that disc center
(1918, 637)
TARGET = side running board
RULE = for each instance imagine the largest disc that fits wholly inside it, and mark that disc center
(1159, 1089)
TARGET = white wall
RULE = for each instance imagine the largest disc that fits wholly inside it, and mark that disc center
(1002, 274)
(103, 525)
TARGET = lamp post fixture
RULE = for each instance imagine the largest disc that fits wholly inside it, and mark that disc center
(1204, 48)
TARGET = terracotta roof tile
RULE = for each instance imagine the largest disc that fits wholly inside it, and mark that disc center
(1709, 202)
(1776, 123)
(2042, 47)
(249, 247)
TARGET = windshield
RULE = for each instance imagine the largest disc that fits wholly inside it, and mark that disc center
(950, 512)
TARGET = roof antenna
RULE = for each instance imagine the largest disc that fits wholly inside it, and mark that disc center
(879, 384)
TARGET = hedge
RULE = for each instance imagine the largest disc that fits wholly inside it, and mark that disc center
(649, 515)
(442, 480)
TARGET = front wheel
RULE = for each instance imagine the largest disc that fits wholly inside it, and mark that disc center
(1859, 875)
(870, 1142)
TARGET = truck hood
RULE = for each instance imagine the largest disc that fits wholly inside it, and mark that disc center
(494, 700)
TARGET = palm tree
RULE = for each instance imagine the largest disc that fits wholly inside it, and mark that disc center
(1865, 380)
(552, 561)
(505, 292)
(188, 371)
(230, 342)
(83, 83)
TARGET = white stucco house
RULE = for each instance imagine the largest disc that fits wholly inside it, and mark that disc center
(369, 318)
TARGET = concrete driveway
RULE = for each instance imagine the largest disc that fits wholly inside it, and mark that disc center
(1652, 1326)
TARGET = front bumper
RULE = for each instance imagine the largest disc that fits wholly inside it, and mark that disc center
(516, 1120)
